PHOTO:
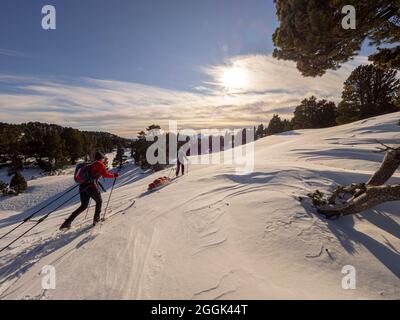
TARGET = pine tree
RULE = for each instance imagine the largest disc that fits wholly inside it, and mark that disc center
(312, 113)
(119, 158)
(369, 91)
(3, 187)
(276, 125)
(54, 149)
(387, 58)
(73, 144)
(311, 33)
(51, 145)
(287, 125)
(16, 164)
(139, 148)
(18, 183)
(153, 127)
(260, 132)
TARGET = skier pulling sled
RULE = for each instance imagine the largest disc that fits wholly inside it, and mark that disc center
(87, 175)
(162, 182)
(181, 162)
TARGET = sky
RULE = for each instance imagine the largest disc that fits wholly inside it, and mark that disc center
(121, 65)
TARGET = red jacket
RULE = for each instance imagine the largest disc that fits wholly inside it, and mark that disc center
(98, 169)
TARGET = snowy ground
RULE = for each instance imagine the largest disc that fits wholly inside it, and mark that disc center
(217, 235)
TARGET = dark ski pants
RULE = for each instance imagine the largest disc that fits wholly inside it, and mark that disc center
(86, 193)
(178, 167)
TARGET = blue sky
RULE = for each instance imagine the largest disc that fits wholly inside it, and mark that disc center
(120, 65)
(152, 42)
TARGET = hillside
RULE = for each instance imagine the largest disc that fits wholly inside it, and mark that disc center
(217, 235)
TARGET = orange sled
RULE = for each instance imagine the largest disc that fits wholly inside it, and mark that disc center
(159, 183)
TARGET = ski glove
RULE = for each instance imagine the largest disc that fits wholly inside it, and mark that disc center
(116, 175)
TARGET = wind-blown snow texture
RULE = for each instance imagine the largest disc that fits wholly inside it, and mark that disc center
(217, 235)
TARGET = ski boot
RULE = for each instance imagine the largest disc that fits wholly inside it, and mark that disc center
(65, 226)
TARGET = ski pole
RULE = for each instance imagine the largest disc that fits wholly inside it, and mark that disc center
(170, 171)
(112, 188)
(36, 212)
(37, 223)
(101, 186)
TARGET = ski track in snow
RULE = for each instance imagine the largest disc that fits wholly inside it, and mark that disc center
(215, 234)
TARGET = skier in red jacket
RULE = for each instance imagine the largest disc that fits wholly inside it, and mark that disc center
(91, 190)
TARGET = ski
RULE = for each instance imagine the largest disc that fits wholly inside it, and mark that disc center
(84, 223)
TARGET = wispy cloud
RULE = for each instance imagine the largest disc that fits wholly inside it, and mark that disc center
(11, 53)
(125, 108)
(267, 75)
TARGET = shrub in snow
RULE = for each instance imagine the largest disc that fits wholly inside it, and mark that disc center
(18, 183)
(317, 198)
(3, 187)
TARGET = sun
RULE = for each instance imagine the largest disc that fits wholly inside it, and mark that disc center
(234, 78)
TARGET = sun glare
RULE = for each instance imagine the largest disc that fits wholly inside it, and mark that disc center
(234, 78)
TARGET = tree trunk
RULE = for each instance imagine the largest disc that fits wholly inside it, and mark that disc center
(373, 196)
(365, 196)
(388, 167)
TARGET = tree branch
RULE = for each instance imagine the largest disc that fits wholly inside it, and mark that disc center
(385, 147)
(389, 165)
(364, 196)
(373, 196)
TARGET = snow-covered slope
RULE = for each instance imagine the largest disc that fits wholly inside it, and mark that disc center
(217, 235)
